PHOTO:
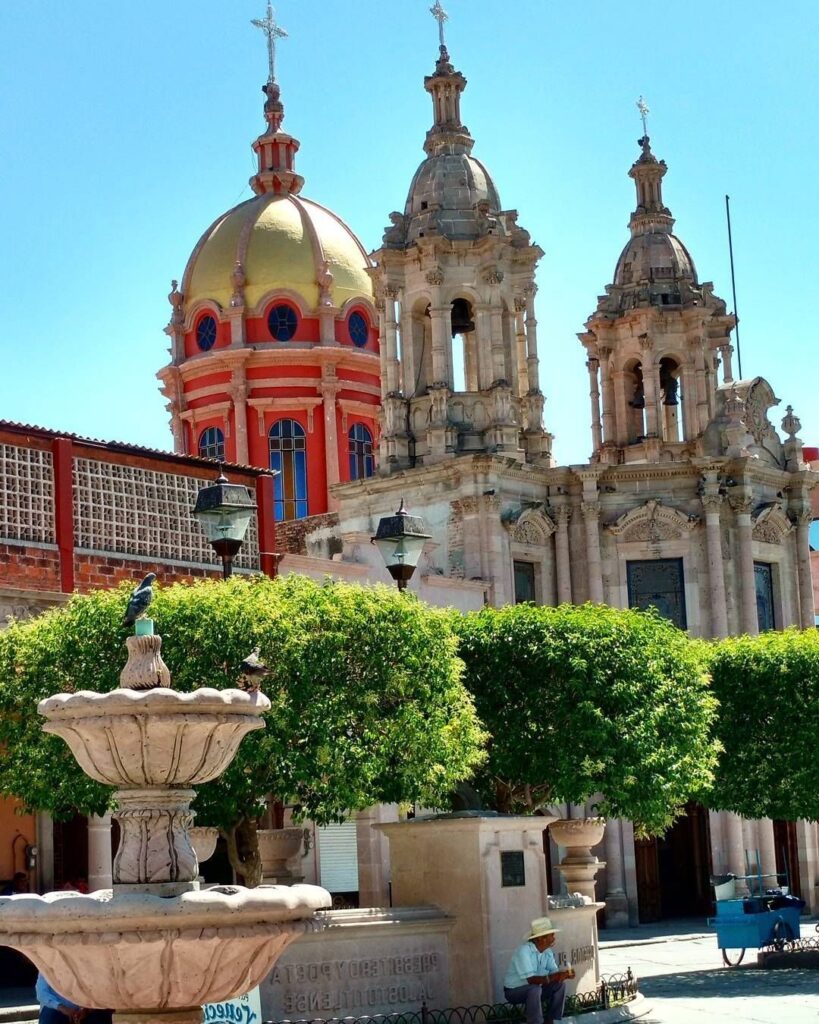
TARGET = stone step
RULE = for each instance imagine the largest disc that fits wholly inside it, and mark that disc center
(18, 1014)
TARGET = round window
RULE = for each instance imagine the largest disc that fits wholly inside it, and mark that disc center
(206, 333)
(359, 330)
(282, 322)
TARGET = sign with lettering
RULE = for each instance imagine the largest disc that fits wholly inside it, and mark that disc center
(246, 1009)
(576, 945)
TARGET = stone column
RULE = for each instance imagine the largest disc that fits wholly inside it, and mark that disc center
(711, 502)
(392, 366)
(616, 899)
(742, 504)
(807, 613)
(735, 847)
(532, 364)
(238, 395)
(726, 351)
(593, 366)
(591, 521)
(651, 391)
(441, 323)
(607, 395)
(330, 388)
(522, 383)
(621, 406)
(409, 369)
(100, 870)
(374, 855)
(563, 514)
(767, 850)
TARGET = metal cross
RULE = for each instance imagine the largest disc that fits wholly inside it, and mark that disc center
(273, 32)
(642, 106)
(440, 15)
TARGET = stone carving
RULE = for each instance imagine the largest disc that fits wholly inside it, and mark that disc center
(325, 279)
(771, 524)
(532, 526)
(177, 300)
(652, 522)
(397, 234)
(276, 847)
(145, 669)
(435, 277)
(239, 280)
(791, 424)
(492, 275)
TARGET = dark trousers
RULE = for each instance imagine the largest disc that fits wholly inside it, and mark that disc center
(546, 1000)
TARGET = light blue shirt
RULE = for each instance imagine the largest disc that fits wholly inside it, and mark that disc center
(47, 996)
(528, 963)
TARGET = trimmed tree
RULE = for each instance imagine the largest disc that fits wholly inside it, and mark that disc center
(768, 725)
(586, 700)
(367, 700)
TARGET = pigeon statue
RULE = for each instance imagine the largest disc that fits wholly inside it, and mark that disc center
(252, 671)
(139, 600)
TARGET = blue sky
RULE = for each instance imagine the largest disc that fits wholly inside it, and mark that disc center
(126, 130)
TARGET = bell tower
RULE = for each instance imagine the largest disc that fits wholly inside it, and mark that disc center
(655, 342)
(455, 280)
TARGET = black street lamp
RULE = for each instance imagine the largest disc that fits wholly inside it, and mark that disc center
(224, 511)
(400, 539)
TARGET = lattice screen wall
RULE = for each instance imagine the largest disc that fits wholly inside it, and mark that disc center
(126, 510)
(26, 494)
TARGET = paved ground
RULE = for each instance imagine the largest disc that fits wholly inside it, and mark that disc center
(681, 974)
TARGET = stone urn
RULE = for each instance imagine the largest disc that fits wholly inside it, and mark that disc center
(579, 865)
(203, 841)
(276, 847)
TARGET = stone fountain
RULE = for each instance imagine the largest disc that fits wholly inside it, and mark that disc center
(156, 948)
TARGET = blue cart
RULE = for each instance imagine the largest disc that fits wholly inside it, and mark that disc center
(751, 923)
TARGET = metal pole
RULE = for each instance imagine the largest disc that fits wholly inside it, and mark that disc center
(733, 281)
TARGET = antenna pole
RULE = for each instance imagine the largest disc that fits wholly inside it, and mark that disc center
(733, 281)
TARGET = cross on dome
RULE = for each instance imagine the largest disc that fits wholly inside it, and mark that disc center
(440, 15)
(642, 106)
(273, 31)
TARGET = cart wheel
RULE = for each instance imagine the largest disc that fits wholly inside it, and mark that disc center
(732, 957)
(782, 934)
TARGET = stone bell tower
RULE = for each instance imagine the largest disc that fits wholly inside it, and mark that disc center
(455, 280)
(655, 341)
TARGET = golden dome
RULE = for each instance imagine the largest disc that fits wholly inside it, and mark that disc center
(281, 242)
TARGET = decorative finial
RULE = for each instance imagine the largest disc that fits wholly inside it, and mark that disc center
(642, 106)
(791, 424)
(440, 15)
(273, 31)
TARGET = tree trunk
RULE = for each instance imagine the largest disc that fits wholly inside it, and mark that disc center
(243, 851)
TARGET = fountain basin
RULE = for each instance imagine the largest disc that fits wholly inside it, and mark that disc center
(134, 739)
(140, 953)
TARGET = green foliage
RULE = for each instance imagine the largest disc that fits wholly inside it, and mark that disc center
(768, 689)
(587, 700)
(367, 700)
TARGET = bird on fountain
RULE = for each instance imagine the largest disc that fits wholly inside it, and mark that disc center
(252, 671)
(140, 598)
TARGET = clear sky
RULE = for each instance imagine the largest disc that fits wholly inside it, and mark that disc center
(126, 130)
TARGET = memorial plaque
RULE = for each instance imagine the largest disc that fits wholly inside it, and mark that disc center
(513, 871)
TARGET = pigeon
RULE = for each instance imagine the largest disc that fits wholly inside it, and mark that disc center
(252, 671)
(139, 600)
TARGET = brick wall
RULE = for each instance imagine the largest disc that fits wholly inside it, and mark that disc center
(291, 537)
(29, 567)
(96, 572)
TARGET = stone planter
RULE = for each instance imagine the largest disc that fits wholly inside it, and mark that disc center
(276, 847)
(579, 865)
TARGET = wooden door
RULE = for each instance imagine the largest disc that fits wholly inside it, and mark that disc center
(647, 864)
(787, 854)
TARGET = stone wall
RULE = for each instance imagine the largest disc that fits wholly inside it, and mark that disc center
(291, 537)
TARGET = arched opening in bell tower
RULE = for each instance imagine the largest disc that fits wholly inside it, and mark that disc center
(464, 354)
(671, 399)
(416, 350)
(635, 387)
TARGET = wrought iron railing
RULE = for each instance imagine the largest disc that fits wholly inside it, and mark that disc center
(612, 991)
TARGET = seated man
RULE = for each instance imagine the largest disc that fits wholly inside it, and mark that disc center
(533, 977)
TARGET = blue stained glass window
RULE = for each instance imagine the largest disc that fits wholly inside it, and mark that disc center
(359, 329)
(282, 322)
(288, 455)
(360, 450)
(206, 333)
(212, 443)
(763, 579)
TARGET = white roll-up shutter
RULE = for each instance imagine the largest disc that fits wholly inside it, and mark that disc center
(338, 853)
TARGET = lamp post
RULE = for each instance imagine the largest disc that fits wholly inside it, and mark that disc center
(224, 511)
(400, 539)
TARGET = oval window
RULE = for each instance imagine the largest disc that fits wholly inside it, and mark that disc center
(282, 322)
(359, 330)
(206, 333)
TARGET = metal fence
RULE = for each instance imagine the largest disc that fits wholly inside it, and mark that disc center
(612, 991)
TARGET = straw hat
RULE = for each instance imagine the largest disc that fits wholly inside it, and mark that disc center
(541, 926)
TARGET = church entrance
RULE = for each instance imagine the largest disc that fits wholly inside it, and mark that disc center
(673, 870)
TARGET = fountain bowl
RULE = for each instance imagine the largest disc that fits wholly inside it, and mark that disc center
(141, 953)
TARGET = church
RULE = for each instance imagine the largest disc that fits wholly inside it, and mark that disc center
(410, 373)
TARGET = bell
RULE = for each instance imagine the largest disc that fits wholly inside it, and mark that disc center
(462, 322)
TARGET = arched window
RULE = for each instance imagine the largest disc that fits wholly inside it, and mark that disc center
(358, 329)
(288, 455)
(360, 449)
(212, 443)
(282, 322)
(206, 331)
